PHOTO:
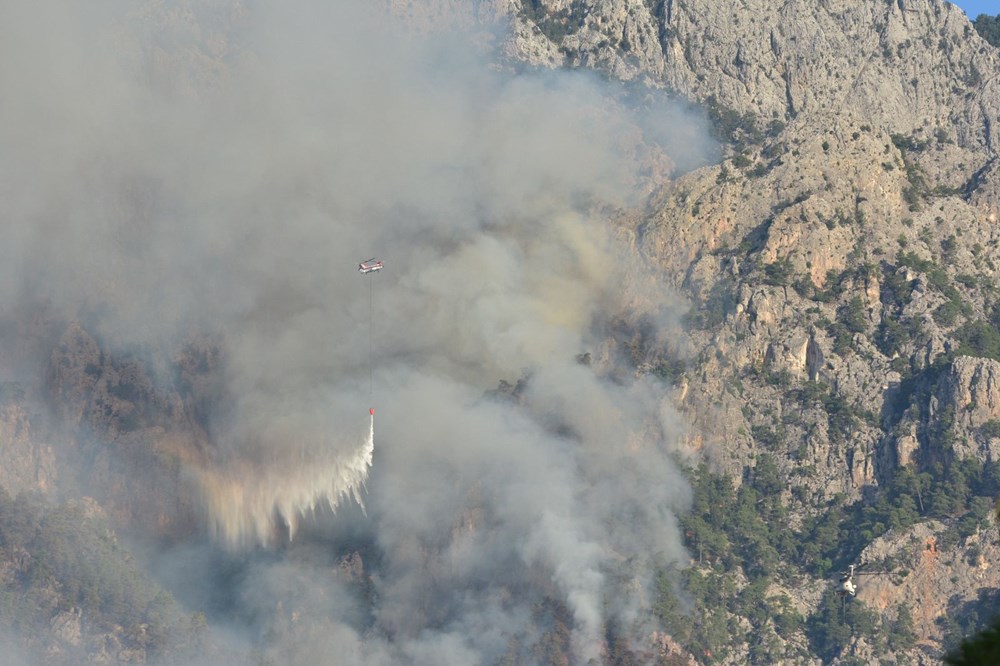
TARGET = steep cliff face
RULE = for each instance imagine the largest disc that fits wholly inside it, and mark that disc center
(900, 65)
(28, 461)
(838, 260)
(970, 394)
(936, 579)
(857, 131)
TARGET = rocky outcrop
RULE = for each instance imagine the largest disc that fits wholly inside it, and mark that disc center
(968, 398)
(74, 369)
(898, 65)
(28, 462)
(932, 578)
(65, 626)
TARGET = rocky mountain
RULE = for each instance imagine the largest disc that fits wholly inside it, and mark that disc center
(839, 267)
(836, 370)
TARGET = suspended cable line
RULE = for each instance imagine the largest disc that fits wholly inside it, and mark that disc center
(366, 268)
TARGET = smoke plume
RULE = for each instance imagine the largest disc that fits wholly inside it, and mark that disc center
(222, 167)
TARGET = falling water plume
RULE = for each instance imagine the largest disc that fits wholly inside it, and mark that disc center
(250, 502)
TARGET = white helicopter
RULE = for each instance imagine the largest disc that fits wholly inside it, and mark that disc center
(847, 586)
(370, 266)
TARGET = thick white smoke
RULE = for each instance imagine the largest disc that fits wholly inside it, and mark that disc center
(220, 167)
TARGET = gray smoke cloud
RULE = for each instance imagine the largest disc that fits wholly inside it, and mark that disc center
(13, 653)
(220, 167)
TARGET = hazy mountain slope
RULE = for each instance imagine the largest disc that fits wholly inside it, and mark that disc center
(188, 239)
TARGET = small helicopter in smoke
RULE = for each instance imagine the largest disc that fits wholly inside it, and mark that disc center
(370, 266)
(847, 586)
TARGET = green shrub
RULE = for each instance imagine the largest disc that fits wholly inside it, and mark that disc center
(988, 28)
(978, 338)
(778, 273)
(990, 429)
